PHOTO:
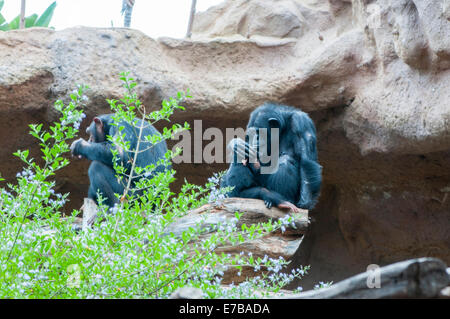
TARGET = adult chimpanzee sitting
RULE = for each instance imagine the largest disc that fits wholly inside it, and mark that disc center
(290, 176)
(101, 172)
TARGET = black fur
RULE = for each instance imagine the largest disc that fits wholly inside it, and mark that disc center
(299, 175)
(101, 173)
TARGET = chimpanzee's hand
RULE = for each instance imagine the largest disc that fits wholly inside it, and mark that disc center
(76, 146)
(268, 203)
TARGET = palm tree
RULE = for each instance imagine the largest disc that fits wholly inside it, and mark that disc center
(127, 9)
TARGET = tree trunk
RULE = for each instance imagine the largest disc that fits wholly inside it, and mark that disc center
(191, 19)
(127, 10)
(22, 15)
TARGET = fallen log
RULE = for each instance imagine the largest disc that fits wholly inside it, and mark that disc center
(90, 210)
(254, 212)
(273, 245)
(414, 278)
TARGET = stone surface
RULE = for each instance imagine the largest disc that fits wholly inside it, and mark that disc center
(374, 76)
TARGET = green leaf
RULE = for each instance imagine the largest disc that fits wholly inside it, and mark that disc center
(4, 27)
(2, 19)
(2, 2)
(14, 24)
(44, 19)
(29, 21)
(25, 153)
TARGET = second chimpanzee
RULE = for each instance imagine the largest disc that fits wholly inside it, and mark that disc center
(102, 176)
(291, 175)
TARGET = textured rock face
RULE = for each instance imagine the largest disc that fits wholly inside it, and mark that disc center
(374, 76)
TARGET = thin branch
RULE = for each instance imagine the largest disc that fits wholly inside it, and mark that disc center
(130, 177)
(25, 215)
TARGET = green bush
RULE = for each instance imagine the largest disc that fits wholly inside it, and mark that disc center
(128, 253)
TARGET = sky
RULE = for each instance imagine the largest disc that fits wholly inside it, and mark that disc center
(155, 18)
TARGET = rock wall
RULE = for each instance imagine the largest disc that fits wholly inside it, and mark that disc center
(374, 76)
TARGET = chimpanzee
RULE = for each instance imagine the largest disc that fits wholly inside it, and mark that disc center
(101, 172)
(244, 176)
(291, 176)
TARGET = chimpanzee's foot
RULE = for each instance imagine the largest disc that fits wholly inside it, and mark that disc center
(288, 205)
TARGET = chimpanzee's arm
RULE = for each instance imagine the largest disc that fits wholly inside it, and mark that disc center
(311, 173)
(243, 176)
(93, 151)
(305, 151)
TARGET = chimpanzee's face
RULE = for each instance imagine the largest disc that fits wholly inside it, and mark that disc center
(257, 137)
(260, 133)
(96, 131)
